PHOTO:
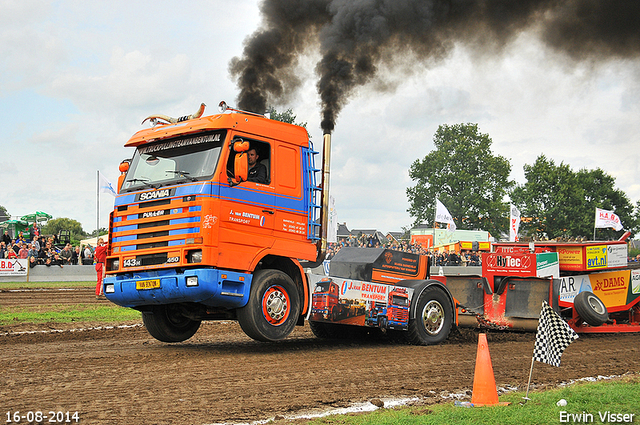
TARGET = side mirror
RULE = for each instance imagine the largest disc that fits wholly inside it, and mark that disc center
(240, 145)
(241, 162)
(124, 167)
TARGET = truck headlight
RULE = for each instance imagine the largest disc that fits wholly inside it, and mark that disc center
(109, 288)
(192, 280)
(194, 256)
(115, 264)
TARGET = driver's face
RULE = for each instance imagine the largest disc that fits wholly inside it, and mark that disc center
(253, 157)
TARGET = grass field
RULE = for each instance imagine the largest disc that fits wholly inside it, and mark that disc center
(67, 313)
(109, 313)
(46, 285)
(592, 402)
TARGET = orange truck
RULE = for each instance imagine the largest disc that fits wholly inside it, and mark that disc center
(224, 216)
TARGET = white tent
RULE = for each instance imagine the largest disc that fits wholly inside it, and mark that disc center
(92, 241)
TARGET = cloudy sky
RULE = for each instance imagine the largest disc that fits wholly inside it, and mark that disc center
(78, 77)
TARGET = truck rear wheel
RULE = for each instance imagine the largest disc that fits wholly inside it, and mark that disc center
(273, 308)
(590, 308)
(434, 317)
(166, 323)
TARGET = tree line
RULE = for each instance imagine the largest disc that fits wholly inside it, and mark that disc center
(473, 183)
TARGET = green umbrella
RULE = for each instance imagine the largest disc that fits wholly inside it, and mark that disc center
(16, 225)
(37, 216)
(13, 223)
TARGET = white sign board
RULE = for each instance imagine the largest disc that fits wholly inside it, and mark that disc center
(13, 267)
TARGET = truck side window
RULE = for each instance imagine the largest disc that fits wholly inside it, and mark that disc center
(259, 155)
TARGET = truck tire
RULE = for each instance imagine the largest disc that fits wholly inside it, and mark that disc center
(434, 317)
(273, 308)
(590, 308)
(167, 324)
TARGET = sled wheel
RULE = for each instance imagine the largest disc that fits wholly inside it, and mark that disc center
(273, 307)
(166, 323)
(434, 316)
(590, 308)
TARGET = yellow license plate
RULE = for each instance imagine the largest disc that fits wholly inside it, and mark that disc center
(148, 284)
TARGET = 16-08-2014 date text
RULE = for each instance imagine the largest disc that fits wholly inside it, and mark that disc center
(39, 416)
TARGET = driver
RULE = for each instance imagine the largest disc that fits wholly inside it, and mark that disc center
(257, 171)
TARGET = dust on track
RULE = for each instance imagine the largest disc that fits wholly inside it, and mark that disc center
(121, 375)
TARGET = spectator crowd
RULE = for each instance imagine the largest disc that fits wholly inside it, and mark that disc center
(464, 258)
(44, 251)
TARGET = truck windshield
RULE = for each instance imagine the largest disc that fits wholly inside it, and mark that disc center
(323, 287)
(174, 161)
(400, 301)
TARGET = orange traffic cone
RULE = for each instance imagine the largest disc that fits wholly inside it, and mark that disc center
(484, 383)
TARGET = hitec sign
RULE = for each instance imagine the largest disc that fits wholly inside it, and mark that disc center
(518, 264)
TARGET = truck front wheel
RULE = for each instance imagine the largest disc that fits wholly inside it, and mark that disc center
(273, 308)
(166, 323)
(434, 316)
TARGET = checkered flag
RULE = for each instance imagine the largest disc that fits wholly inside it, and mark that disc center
(553, 336)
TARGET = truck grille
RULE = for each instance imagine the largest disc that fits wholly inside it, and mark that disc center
(140, 230)
(153, 259)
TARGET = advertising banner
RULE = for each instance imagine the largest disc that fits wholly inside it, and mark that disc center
(516, 264)
(635, 282)
(425, 240)
(547, 264)
(606, 256)
(615, 289)
(514, 224)
(617, 255)
(13, 267)
(355, 302)
(571, 257)
(570, 286)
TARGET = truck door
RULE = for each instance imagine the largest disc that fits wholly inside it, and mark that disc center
(291, 212)
(247, 211)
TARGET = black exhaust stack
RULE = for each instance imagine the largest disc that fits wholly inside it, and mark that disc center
(324, 211)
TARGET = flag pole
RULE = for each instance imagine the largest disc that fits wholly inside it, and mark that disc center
(526, 396)
(97, 203)
(435, 215)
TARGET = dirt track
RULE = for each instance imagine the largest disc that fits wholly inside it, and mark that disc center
(123, 376)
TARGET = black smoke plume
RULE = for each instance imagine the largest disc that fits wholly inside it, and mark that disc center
(356, 37)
